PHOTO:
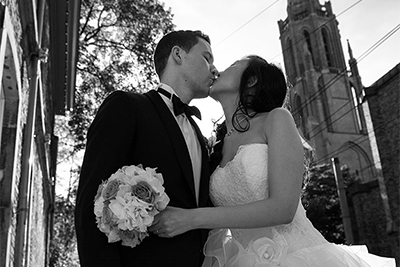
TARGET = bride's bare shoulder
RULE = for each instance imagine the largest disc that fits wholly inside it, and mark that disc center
(278, 122)
(277, 115)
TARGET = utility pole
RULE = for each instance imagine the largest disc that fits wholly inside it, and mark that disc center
(343, 201)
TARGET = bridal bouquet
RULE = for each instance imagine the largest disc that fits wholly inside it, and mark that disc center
(125, 204)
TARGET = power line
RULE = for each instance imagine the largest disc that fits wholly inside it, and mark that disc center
(382, 40)
(321, 90)
(335, 78)
(265, 9)
(337, 119)
(374, 135)
(339, 75)
(356, 106)
(353, 108)
(357, 142)
(314, 31)
(340, 150)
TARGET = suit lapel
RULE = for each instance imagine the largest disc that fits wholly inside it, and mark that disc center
(175, 136)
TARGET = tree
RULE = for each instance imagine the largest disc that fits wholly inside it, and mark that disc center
(63, 249)
(322, 203)
(116, 44)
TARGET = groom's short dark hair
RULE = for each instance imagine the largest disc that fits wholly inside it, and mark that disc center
(184, 39)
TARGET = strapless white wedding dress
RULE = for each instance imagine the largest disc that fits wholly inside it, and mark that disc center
(297, 244)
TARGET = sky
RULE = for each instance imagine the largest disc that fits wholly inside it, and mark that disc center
(241, 27)
(238, 28)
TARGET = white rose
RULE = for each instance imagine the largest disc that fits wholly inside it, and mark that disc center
(133, 170)
(118, 209)
(147, 219)
(268, 252)
(118, 175)
(162, 201)
(98, 206)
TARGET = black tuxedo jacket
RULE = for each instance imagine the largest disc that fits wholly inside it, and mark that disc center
(128, 129)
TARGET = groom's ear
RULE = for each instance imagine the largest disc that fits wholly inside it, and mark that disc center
(176, 54)
(252, 81)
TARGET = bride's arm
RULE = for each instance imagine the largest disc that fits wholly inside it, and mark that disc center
(285, 173)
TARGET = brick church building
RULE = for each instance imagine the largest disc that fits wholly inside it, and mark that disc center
(339, 118)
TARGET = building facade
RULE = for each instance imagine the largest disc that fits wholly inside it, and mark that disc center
(379, 223)
(29, 100)
(325, 97)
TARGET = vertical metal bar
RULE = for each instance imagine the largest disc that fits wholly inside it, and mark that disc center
(26, 161)
(343, 201)
(23, 200)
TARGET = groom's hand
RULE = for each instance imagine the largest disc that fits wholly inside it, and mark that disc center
(172, 222)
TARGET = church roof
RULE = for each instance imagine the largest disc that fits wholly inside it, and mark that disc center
(379, 84)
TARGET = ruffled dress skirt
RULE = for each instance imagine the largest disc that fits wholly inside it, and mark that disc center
(222, 250)
(298, 244)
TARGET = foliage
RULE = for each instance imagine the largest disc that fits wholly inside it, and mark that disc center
(63, 244)
(116, 43)
(322, 203)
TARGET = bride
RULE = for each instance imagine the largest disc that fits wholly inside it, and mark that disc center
(258, 218)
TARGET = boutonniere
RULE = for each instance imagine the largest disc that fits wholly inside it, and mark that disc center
(210, 144)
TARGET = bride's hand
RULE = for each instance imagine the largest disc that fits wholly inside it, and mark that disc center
(172, 222)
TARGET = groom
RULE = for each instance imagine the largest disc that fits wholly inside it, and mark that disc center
(147, 129)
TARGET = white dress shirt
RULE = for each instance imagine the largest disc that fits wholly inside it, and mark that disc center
(190, 136)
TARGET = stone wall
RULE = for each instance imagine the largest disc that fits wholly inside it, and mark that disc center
(376, 207)
(369, 220)
(384, 105)
(14, 75)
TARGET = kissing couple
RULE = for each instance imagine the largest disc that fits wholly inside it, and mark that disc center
(244, 212)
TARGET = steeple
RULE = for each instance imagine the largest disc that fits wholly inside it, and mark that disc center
(349, 49)
(355, 75)
(324, 99)
(314, 24)
(355, 83)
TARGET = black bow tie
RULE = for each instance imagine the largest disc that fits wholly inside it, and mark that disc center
(179, 106)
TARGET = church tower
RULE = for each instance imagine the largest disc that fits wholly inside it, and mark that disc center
(326, 95)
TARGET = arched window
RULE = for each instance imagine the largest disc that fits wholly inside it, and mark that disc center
(358, 160)
(290, 48)
(357, 106)
(325, 105)
(327, 48)
(307, 38)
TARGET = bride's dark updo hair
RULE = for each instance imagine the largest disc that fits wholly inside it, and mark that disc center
(262, 88)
